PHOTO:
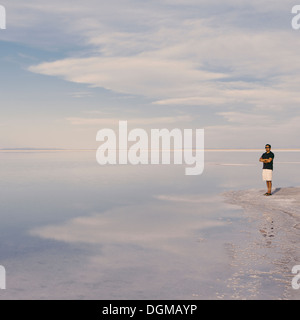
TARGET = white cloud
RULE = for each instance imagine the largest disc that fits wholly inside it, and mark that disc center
(255, 132)
(247, 118)
(188, 62)
(131, 225)
(132, 121)
(140, 75)
(192, 199)
(177, 53)
(81, 94)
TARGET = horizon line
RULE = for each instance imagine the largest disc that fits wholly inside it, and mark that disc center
(86, 150)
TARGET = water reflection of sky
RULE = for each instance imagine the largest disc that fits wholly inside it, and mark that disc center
(73, 229)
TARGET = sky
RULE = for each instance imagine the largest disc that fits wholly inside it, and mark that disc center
(71, 68)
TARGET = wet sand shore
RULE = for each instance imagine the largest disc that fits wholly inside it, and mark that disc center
(262, 261)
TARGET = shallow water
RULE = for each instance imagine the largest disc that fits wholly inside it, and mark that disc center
(263, 260)
(71, 229)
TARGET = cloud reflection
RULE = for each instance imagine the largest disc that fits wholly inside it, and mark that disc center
(157, 225)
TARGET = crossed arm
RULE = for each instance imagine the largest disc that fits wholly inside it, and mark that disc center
(266, 160)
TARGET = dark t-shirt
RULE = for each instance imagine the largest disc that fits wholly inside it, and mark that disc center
(268, 156)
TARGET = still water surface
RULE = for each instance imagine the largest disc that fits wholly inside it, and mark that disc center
(71, 229)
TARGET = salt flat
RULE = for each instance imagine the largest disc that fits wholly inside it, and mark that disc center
(269, 247)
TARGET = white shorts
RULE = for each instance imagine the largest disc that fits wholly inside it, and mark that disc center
(267, 174)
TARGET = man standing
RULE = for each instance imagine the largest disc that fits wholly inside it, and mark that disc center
(267, 159)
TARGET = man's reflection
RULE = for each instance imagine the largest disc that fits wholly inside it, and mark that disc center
(267, 230)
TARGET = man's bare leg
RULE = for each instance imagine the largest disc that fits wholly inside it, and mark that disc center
(269, 186)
